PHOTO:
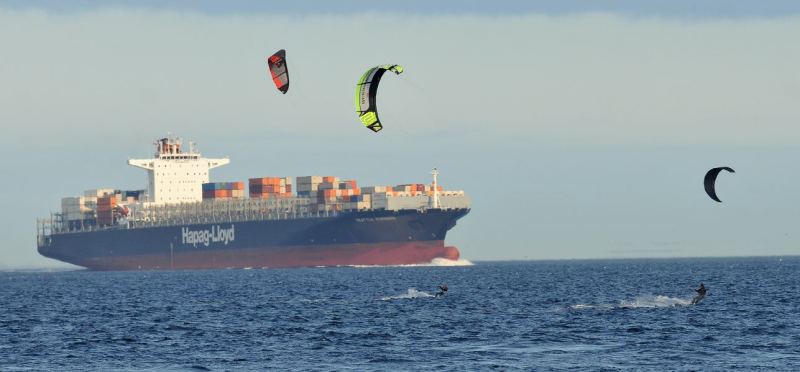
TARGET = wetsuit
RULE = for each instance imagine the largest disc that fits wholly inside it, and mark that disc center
(442, 290)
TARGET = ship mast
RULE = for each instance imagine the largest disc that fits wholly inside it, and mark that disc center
(435, 199)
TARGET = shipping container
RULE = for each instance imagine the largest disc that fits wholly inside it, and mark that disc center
(96, 193)
(348, 184)
(307, 188)
(308, 180)
(106, 201)
(267, 181)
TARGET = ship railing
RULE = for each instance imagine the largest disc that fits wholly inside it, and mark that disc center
(216, 211)
(210, 211)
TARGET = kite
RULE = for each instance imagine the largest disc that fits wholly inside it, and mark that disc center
(279, 71)
(711, 179)
(366, 92)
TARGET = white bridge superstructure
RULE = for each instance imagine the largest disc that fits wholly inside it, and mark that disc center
(175, 176)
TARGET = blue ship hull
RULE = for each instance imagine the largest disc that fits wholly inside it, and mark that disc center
(350, 238)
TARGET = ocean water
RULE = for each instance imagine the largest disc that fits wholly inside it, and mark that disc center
(580, 315)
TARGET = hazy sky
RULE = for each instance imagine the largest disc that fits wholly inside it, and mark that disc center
(579, 129)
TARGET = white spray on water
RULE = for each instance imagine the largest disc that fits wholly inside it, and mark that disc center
(640, 302)
(411, 293)
(436, 262)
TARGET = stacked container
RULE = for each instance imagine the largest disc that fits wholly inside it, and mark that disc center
(270, 187)
(76, 208)
(358, 202)
(96, 193)
(223, 190)
(334, 195)
(105, 210)
(376, 189)
(308, 186)
(332, 192)
(414, 189)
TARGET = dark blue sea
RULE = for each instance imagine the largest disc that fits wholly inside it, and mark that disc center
(553, 315)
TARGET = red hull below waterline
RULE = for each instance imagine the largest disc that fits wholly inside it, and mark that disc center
(295, 256)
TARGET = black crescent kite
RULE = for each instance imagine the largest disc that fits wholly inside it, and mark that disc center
(711, 179)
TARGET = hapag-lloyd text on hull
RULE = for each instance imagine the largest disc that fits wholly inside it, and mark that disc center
(205, 237)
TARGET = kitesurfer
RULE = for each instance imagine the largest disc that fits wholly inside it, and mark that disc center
(701, 293)
(442, 290)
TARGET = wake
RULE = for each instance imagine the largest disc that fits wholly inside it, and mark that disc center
(411, 293)
(436, 262)
(446, 262)
(640, 302)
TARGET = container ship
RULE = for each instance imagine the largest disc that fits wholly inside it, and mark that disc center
(183, 221)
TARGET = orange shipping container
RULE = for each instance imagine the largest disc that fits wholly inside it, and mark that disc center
(223, 193)
(106, 200)
(265, 181)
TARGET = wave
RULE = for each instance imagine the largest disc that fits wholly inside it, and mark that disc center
(436, 262)
(640, 302)
(411, 293)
